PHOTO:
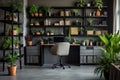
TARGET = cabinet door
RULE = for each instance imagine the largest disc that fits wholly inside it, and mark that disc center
(32, 55)
(86, 55)
(97, 53)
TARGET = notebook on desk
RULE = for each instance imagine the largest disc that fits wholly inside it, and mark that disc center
(59, 39)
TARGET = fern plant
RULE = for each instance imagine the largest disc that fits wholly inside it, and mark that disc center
(110, 51)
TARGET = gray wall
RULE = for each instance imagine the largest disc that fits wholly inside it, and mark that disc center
(52, 2)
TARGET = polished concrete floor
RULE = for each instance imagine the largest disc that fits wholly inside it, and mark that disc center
(84, 72)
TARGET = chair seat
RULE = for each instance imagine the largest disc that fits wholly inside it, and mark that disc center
(60, 49)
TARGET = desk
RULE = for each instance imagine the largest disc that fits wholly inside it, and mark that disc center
(73, 57)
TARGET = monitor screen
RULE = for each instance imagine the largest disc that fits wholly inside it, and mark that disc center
(59, 39)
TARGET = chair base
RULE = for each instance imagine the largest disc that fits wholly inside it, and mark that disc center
(60, 65)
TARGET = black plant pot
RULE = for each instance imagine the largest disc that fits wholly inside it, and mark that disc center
(106, 75)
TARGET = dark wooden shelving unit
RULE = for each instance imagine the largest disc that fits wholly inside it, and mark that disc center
(82, 16)
(6, 22)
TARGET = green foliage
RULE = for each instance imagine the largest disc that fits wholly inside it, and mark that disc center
(111, 49)
(7, 43)
(16, 41)
(12, 58)
(16, 4)
(90, 20)
(33, 9)
(81, 3)
(75, 10)
(99, 4)
(51, 31)
(47, 8)
(15, 27)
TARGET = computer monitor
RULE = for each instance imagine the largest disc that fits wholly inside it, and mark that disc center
(59, 39)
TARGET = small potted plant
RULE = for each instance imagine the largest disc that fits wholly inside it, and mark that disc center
(11, 59)
(40, 13)
(15, 5)
(7, 43)
(75, 12)
(29, 39)
(42, 31)
(15, 30)
(47, 10)
(51, 31)
(41, 41)
(98, 3)
(15, 17)
(81, 3)
(90, 21)
(16, 42)
(81, 31)
(33, 10)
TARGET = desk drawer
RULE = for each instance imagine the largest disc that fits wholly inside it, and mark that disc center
(86, 52)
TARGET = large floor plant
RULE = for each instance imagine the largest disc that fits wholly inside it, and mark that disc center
(110, 50)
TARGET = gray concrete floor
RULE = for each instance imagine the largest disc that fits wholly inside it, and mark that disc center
(84, 72)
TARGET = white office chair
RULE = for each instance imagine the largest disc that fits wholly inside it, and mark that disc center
(60, 49)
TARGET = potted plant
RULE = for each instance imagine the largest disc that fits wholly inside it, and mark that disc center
(51, 31)
(110, 50)
(99, 4)
(7, 43)
(81, 31)
(15, 5)
(14, 30)
(15, 17)
(33, 10)
(41, 31)
(41, 41)
(47, 10)
(16, 42)
(40, 13)
(11, 59)
(81, 3)
(75, 12)
(90, 21)
(29, 39)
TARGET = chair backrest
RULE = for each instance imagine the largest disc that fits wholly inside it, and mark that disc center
(61, 49)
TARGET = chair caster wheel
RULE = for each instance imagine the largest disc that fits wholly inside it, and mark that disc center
(63, 67)
(69, 67)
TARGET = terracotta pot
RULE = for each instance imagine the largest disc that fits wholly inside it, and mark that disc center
(12, 70)
(16, 46)
(29, 43)
(10, 18)
(42, 42)
(38, 33)
(32, 14)
(36, 14)
(13, 32)
(98, 13)
(40, 14)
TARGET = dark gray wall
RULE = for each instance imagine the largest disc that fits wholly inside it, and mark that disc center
(52, 2)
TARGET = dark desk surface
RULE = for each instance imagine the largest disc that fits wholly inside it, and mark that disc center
(54, 44)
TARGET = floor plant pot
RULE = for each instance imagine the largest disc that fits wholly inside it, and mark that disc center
(12, 70)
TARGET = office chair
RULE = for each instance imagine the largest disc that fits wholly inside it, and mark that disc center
(60, 49)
